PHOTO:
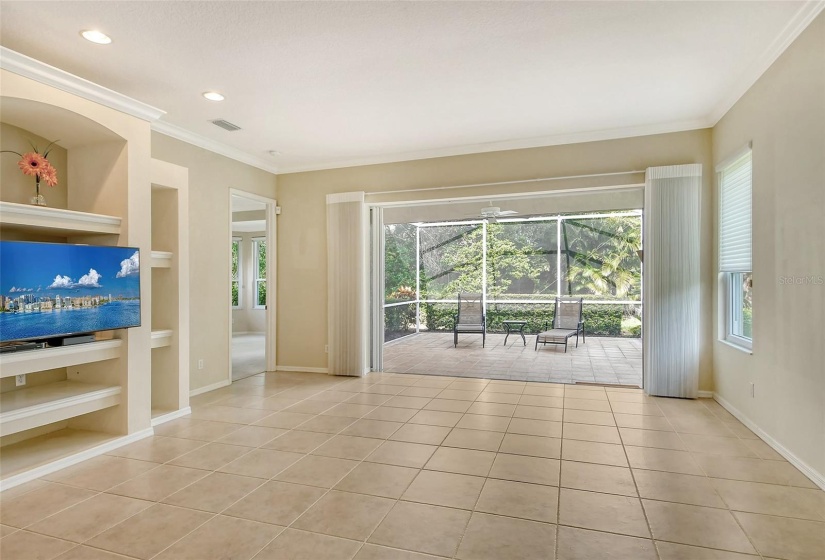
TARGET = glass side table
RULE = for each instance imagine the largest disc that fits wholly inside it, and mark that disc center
(514, 326)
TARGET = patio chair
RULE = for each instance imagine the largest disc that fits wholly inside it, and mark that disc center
(470, 317)
(567, 323)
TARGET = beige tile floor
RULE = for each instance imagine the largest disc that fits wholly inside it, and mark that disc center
(307, 466)
(604, 360)
(248, 355)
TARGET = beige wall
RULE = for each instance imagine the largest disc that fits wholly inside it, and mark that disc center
(783, 114)
(248, 319)
(20, 188)
(302, 274)
(210, 178)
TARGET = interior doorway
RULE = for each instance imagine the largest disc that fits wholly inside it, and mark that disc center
(519, 254)
(252, 227)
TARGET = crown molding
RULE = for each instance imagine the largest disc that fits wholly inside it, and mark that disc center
(803, 18)
(41, 72)
(517, 144)
(200, 141)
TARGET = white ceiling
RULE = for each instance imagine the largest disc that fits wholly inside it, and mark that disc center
(331, 84)
(243, 204)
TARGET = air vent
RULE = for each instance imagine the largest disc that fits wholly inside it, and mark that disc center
(226, 125)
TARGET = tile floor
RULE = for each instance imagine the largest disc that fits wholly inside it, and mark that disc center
(616, 361)
(307, 466)
(248, 355)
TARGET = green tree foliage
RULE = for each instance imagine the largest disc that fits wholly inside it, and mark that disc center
(599, 260)
(600, 257)
(399, 258)
(508, 259)
(236, 247)
(260, 281)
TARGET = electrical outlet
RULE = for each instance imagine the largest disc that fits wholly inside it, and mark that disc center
(200, 364)
(19, 380)
(326, 348)
(752, 389)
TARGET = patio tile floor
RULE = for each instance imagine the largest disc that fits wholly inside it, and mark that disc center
(614, 361)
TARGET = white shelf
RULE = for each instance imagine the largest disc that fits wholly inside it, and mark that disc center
(161, 338)
(30, 361)
(45, 404)
(161, 259)
(42, 219)
(41, 453)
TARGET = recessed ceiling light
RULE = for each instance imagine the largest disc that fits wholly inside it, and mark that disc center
(96, 37)
(213, 96)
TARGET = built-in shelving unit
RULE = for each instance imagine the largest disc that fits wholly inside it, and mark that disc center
(74, 403)
(161, 338)
(46, 404)
(161, 259)
(170, 291)
(40, 455)
(30, 361)
(56, 221)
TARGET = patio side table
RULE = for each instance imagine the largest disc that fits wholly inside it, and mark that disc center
(512, 326)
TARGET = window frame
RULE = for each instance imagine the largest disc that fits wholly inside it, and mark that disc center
(734, 316)
(256, 279)
(238, 276)
(732, 302)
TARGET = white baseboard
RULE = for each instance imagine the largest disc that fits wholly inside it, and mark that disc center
(705, 394)
(70, 460)
(816, 477)
(169, 416)
(208, 388)
(302, 368)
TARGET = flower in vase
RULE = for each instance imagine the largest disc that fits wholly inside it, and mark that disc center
(36, 164)
(33, 164)
(49, 175)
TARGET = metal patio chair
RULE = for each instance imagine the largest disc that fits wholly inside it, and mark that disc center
(470, 317)
(567, 323)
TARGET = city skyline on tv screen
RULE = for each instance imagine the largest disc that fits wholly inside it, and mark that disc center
(49, 290)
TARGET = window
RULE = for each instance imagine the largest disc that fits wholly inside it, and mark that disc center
(236, 272)
(735, 248)
(259, 250)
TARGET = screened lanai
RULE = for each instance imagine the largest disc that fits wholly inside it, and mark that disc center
(520, 265)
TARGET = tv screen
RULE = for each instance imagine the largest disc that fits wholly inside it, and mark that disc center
(52, 290)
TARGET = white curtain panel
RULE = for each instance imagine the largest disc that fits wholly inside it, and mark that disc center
(671, 280)
(346, 281)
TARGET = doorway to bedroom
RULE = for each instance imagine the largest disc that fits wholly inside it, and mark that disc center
(249, 284)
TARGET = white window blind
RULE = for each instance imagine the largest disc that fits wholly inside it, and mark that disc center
(735, 216)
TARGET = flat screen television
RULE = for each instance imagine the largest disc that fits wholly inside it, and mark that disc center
(54, 290)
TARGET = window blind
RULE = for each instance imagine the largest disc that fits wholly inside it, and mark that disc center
(735, 216)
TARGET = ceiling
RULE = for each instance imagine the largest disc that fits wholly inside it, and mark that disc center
(247, 215)
(333, 84)
(244, 204)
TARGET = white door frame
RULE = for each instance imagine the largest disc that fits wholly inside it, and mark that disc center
(271, 211)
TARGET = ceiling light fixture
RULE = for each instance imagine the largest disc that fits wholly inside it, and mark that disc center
(213, 96)
(95, 36)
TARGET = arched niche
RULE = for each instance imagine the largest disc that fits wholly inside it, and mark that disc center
(53, 122)
(97, 158)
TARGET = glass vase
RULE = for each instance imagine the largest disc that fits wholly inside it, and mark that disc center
(38, 199)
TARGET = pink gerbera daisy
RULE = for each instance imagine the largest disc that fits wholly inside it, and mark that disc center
(49, 175)
(32, 164)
